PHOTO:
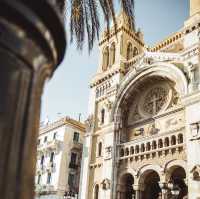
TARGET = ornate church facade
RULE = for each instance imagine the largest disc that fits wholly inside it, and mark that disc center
(143, 129)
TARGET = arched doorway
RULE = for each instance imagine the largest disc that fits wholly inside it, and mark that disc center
(178, 176)
(151, 185)
(127, 182)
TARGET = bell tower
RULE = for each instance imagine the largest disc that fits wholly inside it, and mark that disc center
(120, 46)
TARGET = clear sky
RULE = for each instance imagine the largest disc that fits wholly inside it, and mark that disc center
(68, 91)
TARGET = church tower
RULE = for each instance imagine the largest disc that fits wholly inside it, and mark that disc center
(117, 50)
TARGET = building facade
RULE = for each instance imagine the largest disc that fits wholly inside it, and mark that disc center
(58, 159)
(143, 131)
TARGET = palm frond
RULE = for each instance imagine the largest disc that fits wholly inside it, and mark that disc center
(85, 20)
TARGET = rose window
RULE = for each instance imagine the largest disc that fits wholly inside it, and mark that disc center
(155, 99)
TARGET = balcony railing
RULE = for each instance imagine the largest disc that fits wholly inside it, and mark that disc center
(77, 145)
(44, 189)
(50, 145)
(149, 148)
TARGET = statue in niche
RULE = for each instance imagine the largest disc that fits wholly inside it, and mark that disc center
(196, 173)
(195, 131)
(105, 184)
(153, 130)
(191, 75)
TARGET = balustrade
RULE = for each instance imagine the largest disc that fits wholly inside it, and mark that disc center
(149, 148)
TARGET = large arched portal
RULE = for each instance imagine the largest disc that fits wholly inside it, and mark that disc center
(151, 185)
(178, 176)
(127, 182)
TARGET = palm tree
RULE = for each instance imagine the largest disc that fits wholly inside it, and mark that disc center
(32, 45)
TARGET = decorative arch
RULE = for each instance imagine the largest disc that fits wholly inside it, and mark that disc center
(150, 167)
(164, 70)
(175, 163)
(127, 171)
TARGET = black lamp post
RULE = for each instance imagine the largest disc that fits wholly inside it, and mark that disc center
(32, 44)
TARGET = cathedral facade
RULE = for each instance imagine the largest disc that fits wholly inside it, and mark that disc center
(143, 129)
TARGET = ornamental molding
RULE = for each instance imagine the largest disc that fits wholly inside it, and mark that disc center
(165, 70)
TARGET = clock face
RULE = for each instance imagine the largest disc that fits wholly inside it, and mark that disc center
(154, 100)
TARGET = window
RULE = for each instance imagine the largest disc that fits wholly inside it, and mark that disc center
(54, 135)
(73, 158)
(112, 54)
(42, 160)
(129, 51)
(39, 179)
(105, 59)
(76, 137)
(102, 116)
(96, 192)
(100, 149)
(48, 178)
(71, 180)
(52, 157)
(45, 139)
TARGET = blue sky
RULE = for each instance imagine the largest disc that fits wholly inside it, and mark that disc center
(68, 91)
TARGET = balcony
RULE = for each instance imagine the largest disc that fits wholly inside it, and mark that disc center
(73, 165)
(44, 189)
(50, 145)
(77, 145)
(139, 150)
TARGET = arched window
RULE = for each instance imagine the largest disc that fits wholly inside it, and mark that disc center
(105, 59)
(180, 138)
(122, 152)
(52, 157)
(96, 192)
(160, 143)
(148, 146)
(173, 140)
(127, 151)
(142, 148)
(154, 145)
(42, 160)
(102, 116)
(100, 149)
(49, 178)
(166, 142)
(132, 150)
(135, 52)
(112, 54)
(137, 149)
(129, 51)
(39, 179)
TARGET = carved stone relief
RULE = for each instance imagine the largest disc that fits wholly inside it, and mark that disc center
(196, 173)
(108, 153)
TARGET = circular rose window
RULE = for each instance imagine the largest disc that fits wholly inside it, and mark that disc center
(155, 99)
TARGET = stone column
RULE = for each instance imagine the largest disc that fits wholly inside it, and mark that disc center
(138, 188)
(163, 186)
(32, 44)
